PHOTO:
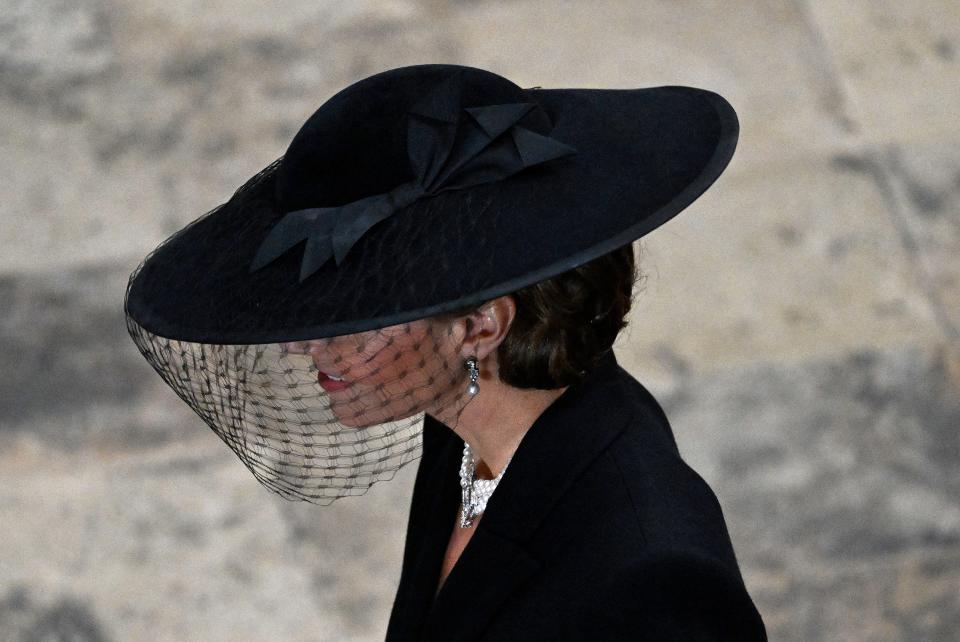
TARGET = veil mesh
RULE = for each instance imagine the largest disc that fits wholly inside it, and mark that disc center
(303, 435)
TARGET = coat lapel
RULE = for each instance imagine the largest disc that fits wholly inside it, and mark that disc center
(442, 493)
(555, 451)
(489, 570)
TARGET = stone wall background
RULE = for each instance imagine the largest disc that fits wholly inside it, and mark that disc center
(800, 322)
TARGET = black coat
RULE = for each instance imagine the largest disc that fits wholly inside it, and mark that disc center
(597, 531)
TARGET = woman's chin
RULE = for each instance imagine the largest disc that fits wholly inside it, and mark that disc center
(349, 418)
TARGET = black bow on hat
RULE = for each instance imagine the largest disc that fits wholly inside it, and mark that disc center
(446, 150)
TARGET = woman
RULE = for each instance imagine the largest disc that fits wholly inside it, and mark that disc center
(442, 260)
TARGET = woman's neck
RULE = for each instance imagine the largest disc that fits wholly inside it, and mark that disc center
(495, 421)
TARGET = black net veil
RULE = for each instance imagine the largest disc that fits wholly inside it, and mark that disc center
(304, 434)
(324, 418)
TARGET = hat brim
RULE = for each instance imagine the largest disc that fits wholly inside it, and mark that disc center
(643, 156)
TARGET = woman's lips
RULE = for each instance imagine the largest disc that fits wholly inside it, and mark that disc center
(328, 384)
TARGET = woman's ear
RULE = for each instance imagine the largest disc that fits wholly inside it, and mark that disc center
(487, 326)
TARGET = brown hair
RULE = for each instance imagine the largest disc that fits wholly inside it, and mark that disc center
(564, 325)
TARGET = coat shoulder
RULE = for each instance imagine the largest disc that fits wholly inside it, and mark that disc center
(663, 562)
(671, 504)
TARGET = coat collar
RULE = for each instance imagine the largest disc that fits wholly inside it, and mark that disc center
(553, 453)
(556, 449)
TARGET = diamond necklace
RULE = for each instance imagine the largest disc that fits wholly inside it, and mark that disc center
(475, 492)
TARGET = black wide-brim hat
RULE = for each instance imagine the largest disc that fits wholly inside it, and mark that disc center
(426, 189)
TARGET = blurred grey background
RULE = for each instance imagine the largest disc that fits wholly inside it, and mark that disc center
(800, 322)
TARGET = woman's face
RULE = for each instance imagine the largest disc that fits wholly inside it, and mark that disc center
(387, 374)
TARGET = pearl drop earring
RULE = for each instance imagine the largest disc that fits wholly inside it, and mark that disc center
(474, 371)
